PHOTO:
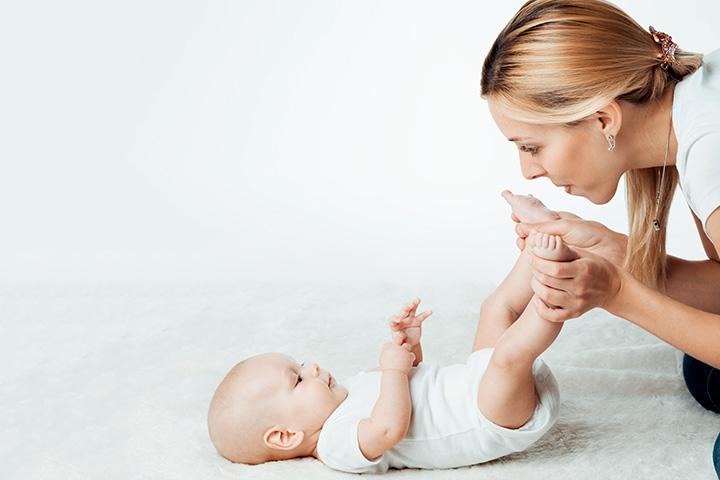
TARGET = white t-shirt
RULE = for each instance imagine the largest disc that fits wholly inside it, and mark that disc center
(696, 119)
(446, 428)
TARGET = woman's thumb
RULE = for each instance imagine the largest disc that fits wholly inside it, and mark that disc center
(555, 227)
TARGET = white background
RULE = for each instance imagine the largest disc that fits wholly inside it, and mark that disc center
(306, 141)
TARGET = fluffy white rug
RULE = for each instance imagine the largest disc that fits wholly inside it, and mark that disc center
(113, 381)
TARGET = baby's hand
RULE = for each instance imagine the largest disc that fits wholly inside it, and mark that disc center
(395, 356)
(406, 326)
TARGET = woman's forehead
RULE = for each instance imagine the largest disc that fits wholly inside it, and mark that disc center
(514, 130)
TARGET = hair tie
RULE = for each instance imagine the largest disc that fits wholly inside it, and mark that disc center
(667, 45)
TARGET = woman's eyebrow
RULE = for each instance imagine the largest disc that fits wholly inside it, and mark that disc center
(515, 139)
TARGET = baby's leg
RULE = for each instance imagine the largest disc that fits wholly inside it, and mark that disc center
(505, 304)
(528, 208)
(506, 395)
(502, 307)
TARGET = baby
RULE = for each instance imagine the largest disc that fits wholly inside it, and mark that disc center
(406, 413)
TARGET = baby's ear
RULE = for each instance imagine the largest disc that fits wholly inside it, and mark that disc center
(281, 438)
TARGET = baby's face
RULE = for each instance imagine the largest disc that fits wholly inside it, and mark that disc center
(304, 396)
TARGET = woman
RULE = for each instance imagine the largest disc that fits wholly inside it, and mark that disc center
(588, 95)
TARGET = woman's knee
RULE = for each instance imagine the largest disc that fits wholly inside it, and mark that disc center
(703, 382)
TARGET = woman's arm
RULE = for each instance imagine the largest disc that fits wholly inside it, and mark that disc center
(592, 281)
(691, 330)
(697, 283)
(682, 318)
(694, 283)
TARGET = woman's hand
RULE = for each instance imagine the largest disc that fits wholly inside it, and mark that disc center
(566, 290)
(569, 289)
(576, 232)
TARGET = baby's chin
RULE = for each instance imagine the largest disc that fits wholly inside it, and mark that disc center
(341, 391)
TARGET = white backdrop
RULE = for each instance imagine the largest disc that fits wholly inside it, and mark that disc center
(179, 182)
(274, 140)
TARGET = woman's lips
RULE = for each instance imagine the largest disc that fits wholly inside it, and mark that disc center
(567, 188)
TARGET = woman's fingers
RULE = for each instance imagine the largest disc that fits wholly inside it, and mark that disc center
(587, 282)
(550, 314)
(554, 269)
(522, 230)
(555, 227)
(564, 284)
(551, 296)
(568, 215)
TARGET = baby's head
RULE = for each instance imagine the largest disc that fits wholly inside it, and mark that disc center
(270, 407)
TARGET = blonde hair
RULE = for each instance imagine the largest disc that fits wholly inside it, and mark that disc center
(560, 61)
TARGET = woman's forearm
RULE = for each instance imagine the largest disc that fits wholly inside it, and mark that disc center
(689, 329)
(694, 283)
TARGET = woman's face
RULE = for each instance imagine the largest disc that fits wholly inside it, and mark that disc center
(576, 158)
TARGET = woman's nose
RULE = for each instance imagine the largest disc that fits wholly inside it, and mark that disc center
(530, 169)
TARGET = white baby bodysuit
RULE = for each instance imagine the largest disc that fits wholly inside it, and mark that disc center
(446, 428)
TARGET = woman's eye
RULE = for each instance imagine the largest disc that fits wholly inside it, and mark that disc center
(530, 150)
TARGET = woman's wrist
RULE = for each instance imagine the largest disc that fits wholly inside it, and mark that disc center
(619, 242)
(618, 301)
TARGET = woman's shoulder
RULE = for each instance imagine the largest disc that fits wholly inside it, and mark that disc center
(712, 57)
(696, 101)
(704, 81)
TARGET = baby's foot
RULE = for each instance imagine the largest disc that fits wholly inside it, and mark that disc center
(528, 208)
(550, 247)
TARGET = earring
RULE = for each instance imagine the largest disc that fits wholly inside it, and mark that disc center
(611, 142)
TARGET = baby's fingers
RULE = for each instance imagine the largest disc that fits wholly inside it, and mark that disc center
(396, 322)
(422, 316)
(409, 309)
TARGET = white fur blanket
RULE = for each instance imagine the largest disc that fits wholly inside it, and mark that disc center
(114, 381)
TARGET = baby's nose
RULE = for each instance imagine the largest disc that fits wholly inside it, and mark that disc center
(313, 369)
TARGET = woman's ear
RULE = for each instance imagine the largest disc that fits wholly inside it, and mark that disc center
(281, 438)
(610, 118)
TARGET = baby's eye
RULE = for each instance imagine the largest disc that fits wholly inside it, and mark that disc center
(298, 380)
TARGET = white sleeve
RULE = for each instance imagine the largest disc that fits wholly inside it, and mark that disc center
(702, 175)
(338, 448)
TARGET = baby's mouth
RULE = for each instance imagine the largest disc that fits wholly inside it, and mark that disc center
(330, 381)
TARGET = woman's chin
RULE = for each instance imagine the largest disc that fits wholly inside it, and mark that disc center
(598, 198)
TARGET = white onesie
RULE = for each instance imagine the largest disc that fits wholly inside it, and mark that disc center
(447, 429)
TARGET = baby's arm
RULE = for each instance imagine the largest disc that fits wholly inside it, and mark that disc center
(389, 421)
